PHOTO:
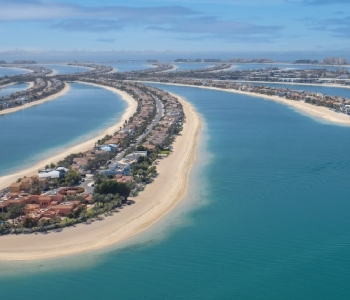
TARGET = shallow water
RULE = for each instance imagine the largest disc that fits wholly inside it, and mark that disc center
(64, 68)
(7, 90)
(34, 133)
(4, 71)
(129, 66)
(271, 219)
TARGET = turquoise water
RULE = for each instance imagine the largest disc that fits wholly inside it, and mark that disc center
(191, 66)
(31, 134)
(271, 218)
(129, 66)
(284, 66)
(7, 90)
(326, 90)
(65, 69)
(11, 72)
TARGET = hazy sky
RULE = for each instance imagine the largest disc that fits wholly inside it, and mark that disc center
(191, 25)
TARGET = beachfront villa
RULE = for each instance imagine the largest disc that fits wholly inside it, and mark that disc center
(53, 173)
(37, 207)
(116, 168)
(108, 148)
(27, 183)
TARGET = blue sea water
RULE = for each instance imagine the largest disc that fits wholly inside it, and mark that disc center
(129, 66)
(64, 68)
(285, 66)
(267, 218)
(7, 90)
(4, 71)
(190, 66)
(31, 134)
(326, 90)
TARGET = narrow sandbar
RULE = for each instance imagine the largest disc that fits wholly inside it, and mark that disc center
(312, 110)
(17, 108)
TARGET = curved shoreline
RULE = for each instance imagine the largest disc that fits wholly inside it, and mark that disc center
(312, 110)
(6, 180)
(331, 85)
(17, 108)
(31, 84)
(158, 198)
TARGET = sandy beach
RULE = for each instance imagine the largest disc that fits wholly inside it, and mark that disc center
(152, 204)
(8, 84)
(334, 85)
(31, 84)
(53, 73)
(5, 181)
(312, 110)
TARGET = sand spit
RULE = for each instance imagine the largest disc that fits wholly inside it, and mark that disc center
(17, 108)
(151, 205)
(312, 110)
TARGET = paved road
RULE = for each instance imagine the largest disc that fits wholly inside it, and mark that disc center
(159, 114)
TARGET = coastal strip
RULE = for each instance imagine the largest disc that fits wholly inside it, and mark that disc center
(312, 110)
(151, 205)
(5, 181)
(31, 84)
(27, 105)
(331, 85)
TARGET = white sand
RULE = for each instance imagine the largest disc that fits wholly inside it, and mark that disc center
(313, 110)
(31, 84)
(294, 83)
(8, 84)
(152, 204)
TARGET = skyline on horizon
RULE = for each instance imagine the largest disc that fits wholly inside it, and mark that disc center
(294, 26)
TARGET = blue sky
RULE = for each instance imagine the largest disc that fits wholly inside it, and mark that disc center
(183, 25)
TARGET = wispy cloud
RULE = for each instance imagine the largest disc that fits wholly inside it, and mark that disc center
(170, 19)
(339, 27)
(36, 10)
(89, 25)
(318, 2)
(213, 27)
(110, 41)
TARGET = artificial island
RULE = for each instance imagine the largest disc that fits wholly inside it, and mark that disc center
(122, 182)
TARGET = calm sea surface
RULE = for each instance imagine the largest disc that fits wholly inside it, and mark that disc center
(269, 215)
(285, 66)
(326, 90)
(11, 72)
(190, 66)
(7, 90)
(129, 66)
(64, 68)
(34, 133)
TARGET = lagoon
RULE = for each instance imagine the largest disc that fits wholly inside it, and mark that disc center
(34, 133)
(5, 71)
(9, 89)
(267, 217)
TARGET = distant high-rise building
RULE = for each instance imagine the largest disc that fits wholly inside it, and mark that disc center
(334, 61)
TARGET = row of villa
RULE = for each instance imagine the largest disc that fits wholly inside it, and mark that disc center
(336, 103)
(42, 88)
(118, 148)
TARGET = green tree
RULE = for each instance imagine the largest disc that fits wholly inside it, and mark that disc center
(99, 178)
(35, 190)
(14, 211)
(28, 222)
(72, 177)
